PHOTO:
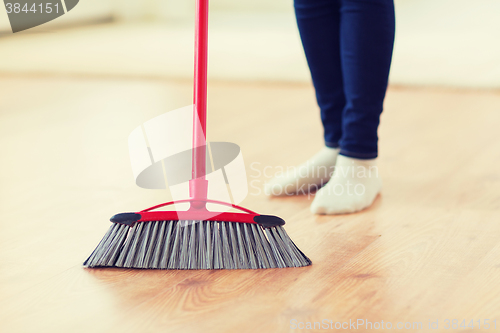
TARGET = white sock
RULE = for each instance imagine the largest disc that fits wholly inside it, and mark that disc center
(353, 187)
(308, 176)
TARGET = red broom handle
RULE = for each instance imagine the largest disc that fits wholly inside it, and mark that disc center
(198, 184)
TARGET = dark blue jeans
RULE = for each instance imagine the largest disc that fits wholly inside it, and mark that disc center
(348, 46)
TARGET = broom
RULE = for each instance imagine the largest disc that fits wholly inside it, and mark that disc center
(197, 238)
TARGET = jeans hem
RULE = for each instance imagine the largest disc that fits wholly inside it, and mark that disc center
(361, 156)
(331, 145)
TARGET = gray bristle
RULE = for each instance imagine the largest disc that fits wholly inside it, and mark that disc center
(196, 245)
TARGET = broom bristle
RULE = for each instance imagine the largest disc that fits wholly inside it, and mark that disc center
(196, 245)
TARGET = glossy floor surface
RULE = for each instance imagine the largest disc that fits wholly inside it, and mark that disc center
(428, 249)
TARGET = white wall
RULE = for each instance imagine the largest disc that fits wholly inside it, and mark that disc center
(438, 42)
(252, 5)
(184, 9)
(163, 10)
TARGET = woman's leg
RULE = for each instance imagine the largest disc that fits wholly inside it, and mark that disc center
(366, 38)
(319, 27)
(366, 43)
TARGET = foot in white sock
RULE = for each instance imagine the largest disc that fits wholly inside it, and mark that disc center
(353, 187)
(307, 177)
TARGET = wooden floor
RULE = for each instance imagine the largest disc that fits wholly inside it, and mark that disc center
(428, 249)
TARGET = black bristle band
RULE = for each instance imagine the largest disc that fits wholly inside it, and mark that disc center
(196, 245)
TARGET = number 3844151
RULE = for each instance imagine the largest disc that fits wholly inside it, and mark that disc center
(18, 8)
(479, 324)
